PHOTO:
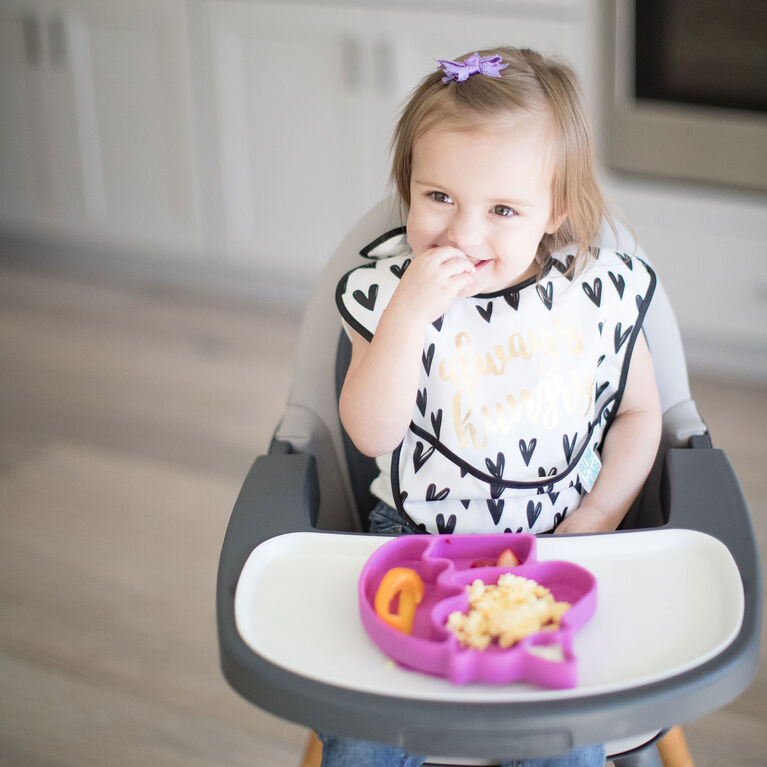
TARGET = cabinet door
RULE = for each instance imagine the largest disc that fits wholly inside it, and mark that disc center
(96, 125)
(133, 65)
(41, 182)
(20, 167)
(289, 84)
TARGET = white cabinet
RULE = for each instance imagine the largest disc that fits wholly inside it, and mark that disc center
(307, 96)
(246, 132)
(96, 122)
(289, 84)
(41, 181)
(144, 167)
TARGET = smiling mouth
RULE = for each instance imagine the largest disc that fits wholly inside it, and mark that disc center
(478, 262)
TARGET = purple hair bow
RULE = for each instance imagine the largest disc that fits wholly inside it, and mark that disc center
(460, 71)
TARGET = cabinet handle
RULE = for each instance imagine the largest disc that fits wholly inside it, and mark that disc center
(352, 63)
(57, 42)
(384, 67)
(33, 44)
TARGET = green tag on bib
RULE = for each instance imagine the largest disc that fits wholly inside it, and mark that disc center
(588, 468)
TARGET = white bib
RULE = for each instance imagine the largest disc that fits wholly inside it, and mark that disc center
(517, 389)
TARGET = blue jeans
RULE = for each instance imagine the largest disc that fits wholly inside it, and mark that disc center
(348, 752)
(384, 520)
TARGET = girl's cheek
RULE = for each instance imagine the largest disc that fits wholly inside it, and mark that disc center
(417, 241)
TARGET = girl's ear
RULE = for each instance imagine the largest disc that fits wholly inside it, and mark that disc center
(555, 222)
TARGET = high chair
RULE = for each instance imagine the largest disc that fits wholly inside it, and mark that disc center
(685, 558)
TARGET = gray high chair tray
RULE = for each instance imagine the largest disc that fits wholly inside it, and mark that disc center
(675, 634)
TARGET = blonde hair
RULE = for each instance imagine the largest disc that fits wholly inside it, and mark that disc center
(530, 84)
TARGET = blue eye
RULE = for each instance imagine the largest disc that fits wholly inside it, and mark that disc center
(440, 197)
(504, 210)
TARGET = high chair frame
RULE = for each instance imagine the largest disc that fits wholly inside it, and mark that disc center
(304, 483)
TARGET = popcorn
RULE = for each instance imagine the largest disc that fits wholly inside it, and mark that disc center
(508, 612)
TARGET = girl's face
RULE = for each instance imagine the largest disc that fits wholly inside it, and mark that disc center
(487, 192)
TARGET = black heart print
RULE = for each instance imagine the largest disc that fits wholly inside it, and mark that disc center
(565, 267)
(600, 387)
(550, 473)
(496, 510)
(397, 270)
(438, 323)
(553, 496)
(620, 337)
(485, 312)
(427, 358)
(512, 299)
(570, 260)
(568, 445)
(436, 422)
(465, 502)
(618, 282)
(367, 300)
(626, 260)
(420, 456)
(433, 495)
(496, 469)
(595, 292)
(533, 512)
(420, 400)
(546, 294)
(445, 527)
(527, 449)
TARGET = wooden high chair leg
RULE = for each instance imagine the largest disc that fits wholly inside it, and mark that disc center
(313, 752)
(673, 750)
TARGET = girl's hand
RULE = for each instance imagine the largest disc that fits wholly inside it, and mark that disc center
(586, 519)
(375, 416)
(431, 283)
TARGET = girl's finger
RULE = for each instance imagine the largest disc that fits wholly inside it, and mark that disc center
(459, 264)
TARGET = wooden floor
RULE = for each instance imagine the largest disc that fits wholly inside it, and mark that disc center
(129, 417)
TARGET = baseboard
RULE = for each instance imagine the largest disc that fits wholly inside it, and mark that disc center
(192, 274)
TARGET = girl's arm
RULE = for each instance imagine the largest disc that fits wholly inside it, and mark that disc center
(628, 452)
(380, 387)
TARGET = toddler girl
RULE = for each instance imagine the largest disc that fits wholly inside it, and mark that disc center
(499, 372)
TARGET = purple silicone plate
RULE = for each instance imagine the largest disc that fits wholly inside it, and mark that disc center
(444, 564)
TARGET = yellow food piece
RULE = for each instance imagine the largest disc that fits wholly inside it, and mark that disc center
(506, 613)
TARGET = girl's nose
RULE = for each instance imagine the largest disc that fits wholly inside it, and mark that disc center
(464, 231)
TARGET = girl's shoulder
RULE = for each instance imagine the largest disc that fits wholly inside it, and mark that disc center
(601, 261)
(603, 268)
(364, 291)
